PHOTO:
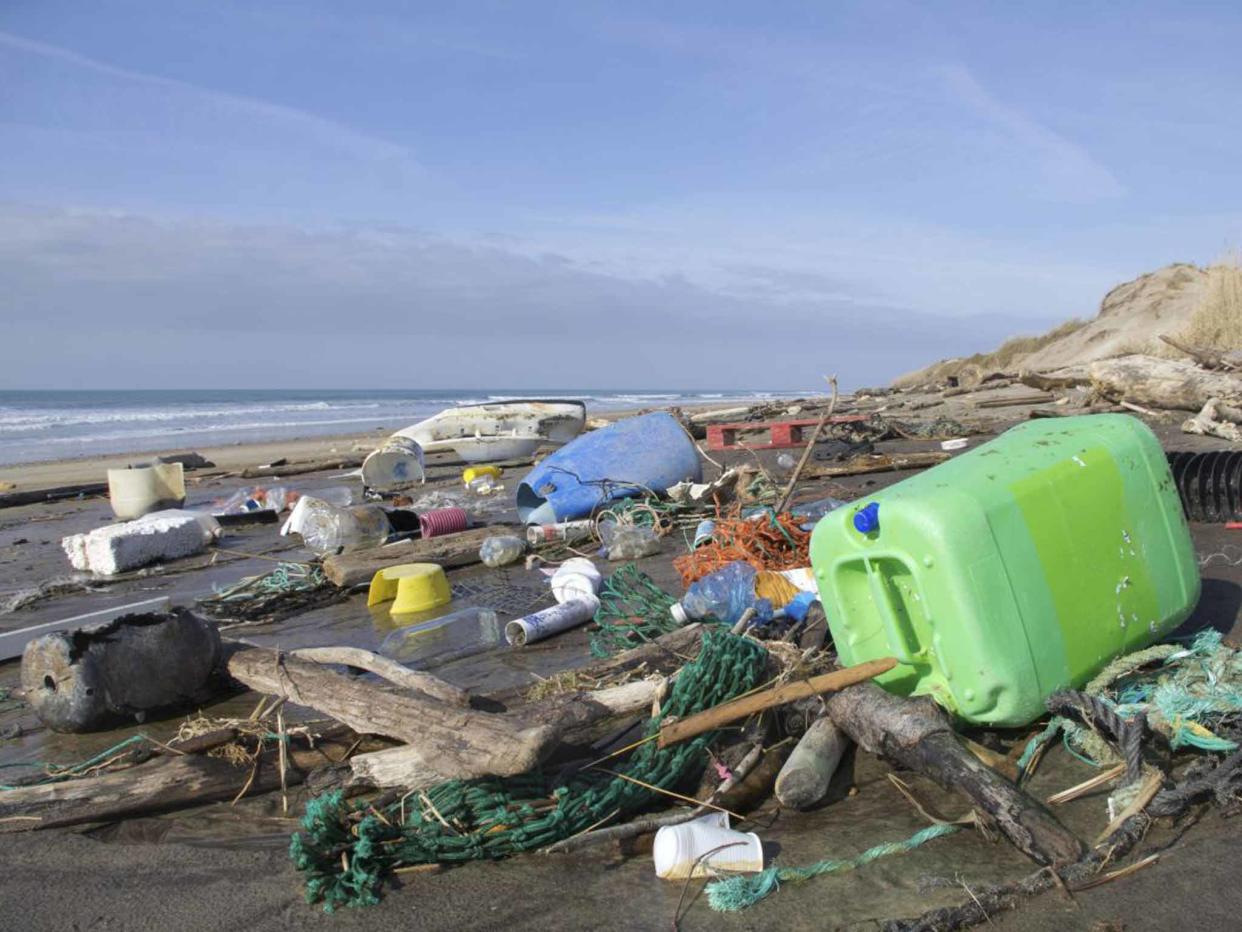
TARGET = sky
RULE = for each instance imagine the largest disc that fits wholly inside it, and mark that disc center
(674, 195)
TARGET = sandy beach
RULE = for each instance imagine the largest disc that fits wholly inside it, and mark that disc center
(145, 872)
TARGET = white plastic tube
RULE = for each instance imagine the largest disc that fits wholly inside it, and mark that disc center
(551, 621)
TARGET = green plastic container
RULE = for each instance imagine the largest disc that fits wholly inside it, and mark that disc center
(1014, 570)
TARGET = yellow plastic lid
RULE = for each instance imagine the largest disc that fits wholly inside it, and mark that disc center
(414, 587)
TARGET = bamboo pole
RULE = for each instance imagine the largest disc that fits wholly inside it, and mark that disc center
(779, 695)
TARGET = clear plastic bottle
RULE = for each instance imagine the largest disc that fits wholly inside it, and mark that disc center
(628, 541)
(501, 550)
(460, 634)
(811, 512)
(328, 529)
(724, 595)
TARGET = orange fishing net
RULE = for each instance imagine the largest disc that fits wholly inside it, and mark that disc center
(769, 542)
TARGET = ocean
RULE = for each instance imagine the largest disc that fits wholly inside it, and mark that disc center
(43, 425)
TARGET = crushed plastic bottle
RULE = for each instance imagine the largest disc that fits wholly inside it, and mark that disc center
(501, 550)
(568, 531)
(811, 512)
(724, 595)
(484, 485)
(451, 637)
(328, 529)
(628, 541)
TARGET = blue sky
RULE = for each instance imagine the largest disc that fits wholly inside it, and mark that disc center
(675, 195)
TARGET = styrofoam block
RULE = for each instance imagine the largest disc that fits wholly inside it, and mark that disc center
(163, 535)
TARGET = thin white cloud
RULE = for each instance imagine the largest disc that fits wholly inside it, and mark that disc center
(327, 132)
(1067, 165)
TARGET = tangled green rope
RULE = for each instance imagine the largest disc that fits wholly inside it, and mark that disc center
(344, 861)
(58, 773)
(1194, 688)
(632, 610)
(739, 892)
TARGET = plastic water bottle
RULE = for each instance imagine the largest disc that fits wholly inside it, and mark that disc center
(628, 541)
(501, 550)
(724, 595)
(327, 529)
(811, 512)
(434, 643)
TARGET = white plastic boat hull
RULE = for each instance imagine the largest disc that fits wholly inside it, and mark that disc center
(499, 430)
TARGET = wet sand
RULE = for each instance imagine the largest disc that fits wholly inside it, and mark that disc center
(222, 866)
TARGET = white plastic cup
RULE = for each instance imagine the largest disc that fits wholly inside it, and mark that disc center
(576, 578)
(681, 851)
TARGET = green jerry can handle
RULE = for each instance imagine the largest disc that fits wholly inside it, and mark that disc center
(900, 635)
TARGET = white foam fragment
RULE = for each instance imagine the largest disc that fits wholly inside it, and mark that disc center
(162, 535)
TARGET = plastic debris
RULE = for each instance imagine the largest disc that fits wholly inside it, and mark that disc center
(161, 535)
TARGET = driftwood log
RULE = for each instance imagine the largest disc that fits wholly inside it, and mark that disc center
(452, 550)
(878, 462)
(35, 496)
(161, 784)
(1163, 383)
(916, 735)
(386, 669)
(1053, 381)
(298, 469)
(1217, 419)
(442, 741)
(1207, 356)
(1015, 400)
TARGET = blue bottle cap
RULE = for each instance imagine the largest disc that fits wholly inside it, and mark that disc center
(867, 519)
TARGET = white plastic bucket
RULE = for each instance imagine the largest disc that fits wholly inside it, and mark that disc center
(703, 847)
(143, 489)
(397, 463)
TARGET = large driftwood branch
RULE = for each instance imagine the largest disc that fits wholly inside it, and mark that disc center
(1207, 356)
(164, 783)
(1216, 420)
(387, 669)
(1163, 383)
(916, 735)
(472, 742)
(452, 550)
(577, 718)
(444, 740)
(1054, 381)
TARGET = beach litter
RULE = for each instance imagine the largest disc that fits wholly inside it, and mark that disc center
(160, 535)
(637, 455)
(123, 669)
(719, 678)
(139, 490)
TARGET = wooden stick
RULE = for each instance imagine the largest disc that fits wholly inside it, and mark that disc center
(810, 446)
(1041, 398)
(1082, 789)
(879, 462)
(757, 702)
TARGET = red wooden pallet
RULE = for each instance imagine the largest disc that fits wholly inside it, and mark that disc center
(781, 434)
